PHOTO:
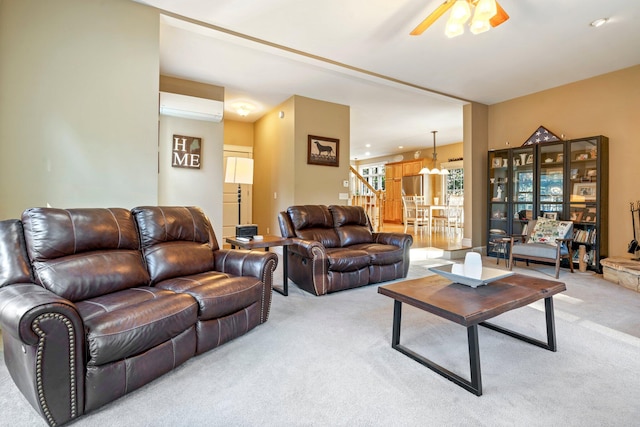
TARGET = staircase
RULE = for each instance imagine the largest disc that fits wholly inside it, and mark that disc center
(361, 193)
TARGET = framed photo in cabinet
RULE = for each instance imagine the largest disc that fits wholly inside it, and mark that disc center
(585, 189)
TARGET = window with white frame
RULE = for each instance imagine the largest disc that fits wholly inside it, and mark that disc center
(374, 175)
(455, 179)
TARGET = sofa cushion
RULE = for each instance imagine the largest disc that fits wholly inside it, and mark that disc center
(541, 250)
(347, 259)
(548, 230)
(351, 224)
(310, 216)
(381, 254)
(218, 294)
(176, 241)
(130, 322)
(314, 222)
(84, 253)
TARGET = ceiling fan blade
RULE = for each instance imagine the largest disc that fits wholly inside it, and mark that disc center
(432, 18)
(500, 17)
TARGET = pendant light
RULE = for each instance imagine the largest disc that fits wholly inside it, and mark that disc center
(435, 170)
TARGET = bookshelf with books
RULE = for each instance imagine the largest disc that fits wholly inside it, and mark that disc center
(588, 207)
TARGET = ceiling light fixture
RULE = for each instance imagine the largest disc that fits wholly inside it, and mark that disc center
(243, 108)
(435, 170)
(487, 14)
(599, 22)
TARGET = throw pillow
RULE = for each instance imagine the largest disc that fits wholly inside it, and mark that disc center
(548, 230)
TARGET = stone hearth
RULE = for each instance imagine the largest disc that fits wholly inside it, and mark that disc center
(623, 271)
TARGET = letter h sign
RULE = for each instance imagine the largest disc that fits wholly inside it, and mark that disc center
(185, 152)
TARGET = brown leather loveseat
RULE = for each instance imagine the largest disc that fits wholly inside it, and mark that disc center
(335, 249)
(95, 303)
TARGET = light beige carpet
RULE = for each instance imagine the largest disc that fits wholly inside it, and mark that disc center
(327, 361)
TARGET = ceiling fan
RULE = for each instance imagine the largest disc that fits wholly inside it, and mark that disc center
(488, 13)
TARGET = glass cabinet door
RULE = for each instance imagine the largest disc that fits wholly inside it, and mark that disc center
(551, 191)
(522, 180)
(583, 179)
(498, 193)
(583, 188)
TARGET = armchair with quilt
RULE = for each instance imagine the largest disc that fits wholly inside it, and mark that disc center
(546, 241)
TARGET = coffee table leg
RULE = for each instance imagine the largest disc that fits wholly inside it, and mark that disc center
(474, 360)
(474, 386)
(551, 324)
(551, 329)
(397, 318)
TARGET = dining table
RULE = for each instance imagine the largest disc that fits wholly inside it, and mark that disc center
(428, 210)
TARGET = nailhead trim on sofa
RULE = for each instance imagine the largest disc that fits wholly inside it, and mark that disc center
(72, 364)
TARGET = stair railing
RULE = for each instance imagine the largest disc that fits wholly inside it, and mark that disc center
(361, 193)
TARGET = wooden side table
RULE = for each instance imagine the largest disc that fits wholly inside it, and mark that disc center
(267, 242)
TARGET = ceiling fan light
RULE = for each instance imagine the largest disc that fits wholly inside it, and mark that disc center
(485, 10)
(453, 28)
(460, 11)
(479, 25)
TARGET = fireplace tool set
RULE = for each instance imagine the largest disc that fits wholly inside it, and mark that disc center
(635, 211)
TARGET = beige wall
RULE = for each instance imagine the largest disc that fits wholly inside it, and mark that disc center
(605, 105)
(475, 124)
(79, 104)
(192, 187)
(282, 176)
(238, 133)
(274, 166)
(316, 184)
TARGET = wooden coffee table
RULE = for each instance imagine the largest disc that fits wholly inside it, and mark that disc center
(267, 242)
(471, 307)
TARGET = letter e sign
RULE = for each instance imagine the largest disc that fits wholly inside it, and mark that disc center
(185, 152)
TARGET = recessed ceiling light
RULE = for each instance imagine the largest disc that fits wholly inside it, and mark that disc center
(599, 22)
(367, 153)
(367, 145)
(400, 147)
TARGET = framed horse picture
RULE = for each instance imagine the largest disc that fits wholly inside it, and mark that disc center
(323, 151)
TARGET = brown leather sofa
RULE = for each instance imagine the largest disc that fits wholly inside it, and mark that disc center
(95, 303)
(336, 249)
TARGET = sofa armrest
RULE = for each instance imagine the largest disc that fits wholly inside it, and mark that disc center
(569, 240)
(239, 262)
(44, 343)
(567, 243)
(396, 239)
(515, 238)
(308, 248)
(400, 240)
(258, 264)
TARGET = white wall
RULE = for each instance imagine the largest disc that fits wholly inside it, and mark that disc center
(193, 187)
(78, 104)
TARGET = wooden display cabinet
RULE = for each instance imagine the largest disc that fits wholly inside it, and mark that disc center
(567, 180)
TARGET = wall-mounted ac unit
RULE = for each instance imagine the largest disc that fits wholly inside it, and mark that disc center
(190, 107)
